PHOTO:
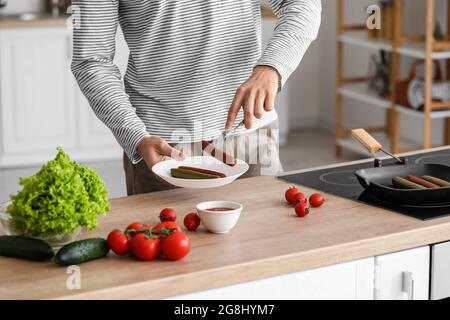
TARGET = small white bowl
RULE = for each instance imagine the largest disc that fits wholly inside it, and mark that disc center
(219, 221)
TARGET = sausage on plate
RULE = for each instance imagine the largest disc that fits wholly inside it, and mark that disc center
(214, 173)
(218, 154)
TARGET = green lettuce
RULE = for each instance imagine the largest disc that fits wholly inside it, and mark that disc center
(60, 198)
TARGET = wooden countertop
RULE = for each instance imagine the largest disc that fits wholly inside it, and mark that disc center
(267, 12)
(42, 21)
(268, 241)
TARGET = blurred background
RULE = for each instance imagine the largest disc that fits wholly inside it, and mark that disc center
(351, 77)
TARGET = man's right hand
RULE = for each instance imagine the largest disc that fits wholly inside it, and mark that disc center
(154, 149)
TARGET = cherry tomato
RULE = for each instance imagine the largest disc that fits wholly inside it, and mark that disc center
(302, 209)
(298, 197)
(167, 215)
(176, 246)
(145, 248)
(137, 226)
(118, 242)
(167, 225)
(316, 200)
(191, 221)
(290, 193)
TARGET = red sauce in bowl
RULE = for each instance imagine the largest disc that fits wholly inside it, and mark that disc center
(219, 209)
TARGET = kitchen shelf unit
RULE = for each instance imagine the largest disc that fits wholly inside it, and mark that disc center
(419, 47)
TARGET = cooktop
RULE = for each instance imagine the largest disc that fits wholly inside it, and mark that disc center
(341, 181)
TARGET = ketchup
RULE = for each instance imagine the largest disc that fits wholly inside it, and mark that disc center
(219, 209)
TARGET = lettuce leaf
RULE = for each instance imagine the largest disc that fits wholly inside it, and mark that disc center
(60, 198)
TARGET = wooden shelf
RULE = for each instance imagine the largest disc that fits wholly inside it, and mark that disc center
(420, 114)
(414, 50)
(362, 92)
(420, 46)
(360, 39)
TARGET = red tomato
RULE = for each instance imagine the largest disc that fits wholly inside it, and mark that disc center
(298, 197)
(167, 225)
(167, 215)
(302, 209)
(176, 246)
(118, 242)
(137, 226)
(316, 200)
(290, 193)
(145, 248)
(191, 221)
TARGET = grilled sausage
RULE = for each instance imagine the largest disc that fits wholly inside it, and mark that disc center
(214, 173)
(188, 174)
(218, 154)
(439, 182)
(422, 182)
(406, 184)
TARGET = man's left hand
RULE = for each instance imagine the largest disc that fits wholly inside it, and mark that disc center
(255, 96)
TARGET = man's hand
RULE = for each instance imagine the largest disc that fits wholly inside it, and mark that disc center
(255, 96)
(154, 149)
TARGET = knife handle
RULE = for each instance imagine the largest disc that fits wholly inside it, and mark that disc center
(366, 140)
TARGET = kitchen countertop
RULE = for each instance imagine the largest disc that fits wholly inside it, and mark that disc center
(41, 20)
(268, 241)
(47, 20)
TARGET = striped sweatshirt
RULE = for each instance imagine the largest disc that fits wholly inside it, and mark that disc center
(187, 58)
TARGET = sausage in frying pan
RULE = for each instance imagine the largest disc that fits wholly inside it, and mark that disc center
(422, 182)
(401, 183)
(439, 182)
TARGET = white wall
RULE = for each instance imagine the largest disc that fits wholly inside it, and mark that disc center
(20, 6)
(304, 89)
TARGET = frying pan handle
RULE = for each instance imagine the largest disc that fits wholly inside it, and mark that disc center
(366, 140)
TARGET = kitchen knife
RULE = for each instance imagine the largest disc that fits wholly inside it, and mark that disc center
(229, 132)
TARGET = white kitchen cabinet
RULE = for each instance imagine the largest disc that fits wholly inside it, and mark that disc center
(403, 275)
(41, 106)
(396, 276)
(440, 267)
(346, 281)
(37, 93)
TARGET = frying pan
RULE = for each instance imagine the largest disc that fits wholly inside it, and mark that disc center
(378, 181)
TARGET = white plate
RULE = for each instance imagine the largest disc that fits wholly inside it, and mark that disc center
(162, 170)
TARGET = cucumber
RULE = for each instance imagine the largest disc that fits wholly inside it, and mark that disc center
(82, 251)
(189, 174)
(406, 184)
(25, 248)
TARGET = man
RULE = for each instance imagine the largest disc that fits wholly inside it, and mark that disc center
(195, 68)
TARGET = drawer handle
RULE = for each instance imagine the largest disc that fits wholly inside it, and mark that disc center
(408, 284)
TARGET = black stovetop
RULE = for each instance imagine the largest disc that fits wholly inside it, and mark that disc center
(341, 181)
